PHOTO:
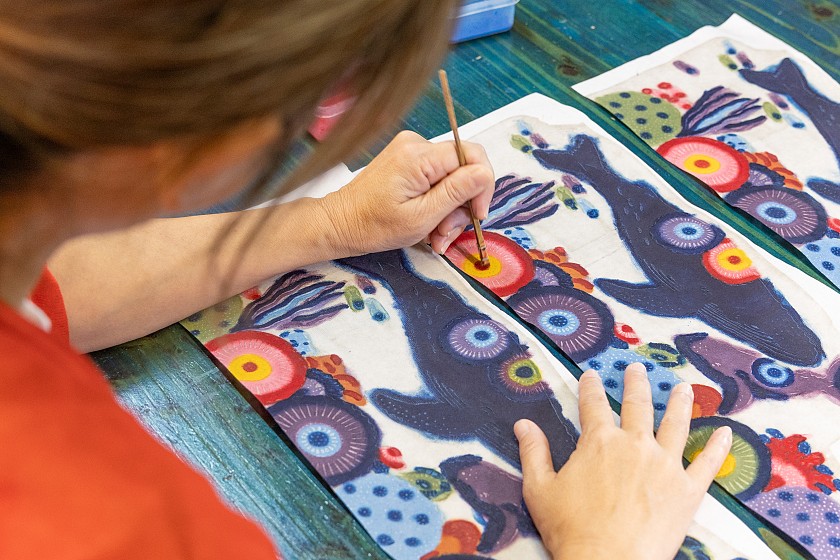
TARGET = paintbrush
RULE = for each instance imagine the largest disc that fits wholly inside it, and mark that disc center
(450, 109)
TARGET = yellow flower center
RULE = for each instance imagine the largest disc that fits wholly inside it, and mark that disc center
(734, 259)
(250, 367)
(472, 266)
(700, 163)
(726, 469)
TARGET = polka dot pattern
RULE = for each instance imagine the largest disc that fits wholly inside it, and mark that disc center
(825, 255)
(611, 364)
(400, 519)
(809, 517)
(654, 121)
(214, 321)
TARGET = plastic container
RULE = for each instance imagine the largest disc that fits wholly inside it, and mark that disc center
(479, 18)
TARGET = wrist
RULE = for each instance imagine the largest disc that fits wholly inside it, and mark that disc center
(337, 232)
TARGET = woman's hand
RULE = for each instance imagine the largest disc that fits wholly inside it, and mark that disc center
(414, 190)
(623, 493)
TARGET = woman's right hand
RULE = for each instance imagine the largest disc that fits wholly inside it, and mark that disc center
(623, 492)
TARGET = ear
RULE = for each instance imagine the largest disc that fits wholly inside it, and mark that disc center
(195, 174)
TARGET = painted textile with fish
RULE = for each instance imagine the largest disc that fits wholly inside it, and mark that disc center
(611, 265)
(760, 127)
(400, 385)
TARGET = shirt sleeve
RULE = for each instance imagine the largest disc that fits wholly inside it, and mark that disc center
(47, 296)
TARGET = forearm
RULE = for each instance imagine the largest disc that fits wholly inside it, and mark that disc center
(123, 285)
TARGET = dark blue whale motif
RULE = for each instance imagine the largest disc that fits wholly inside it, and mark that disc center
(668, 245)
(788, 79)
(479, 378)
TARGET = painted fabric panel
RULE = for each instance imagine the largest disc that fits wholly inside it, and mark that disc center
(400, 385)
(751, 117)
(594, 250)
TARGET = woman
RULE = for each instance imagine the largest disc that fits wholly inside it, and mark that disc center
(116, 112)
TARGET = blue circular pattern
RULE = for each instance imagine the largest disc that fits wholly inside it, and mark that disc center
(687, 234)
(558, 322)
(578, 323)
(339, 439)
(476, 339)
(776, 213)
(406, 524)
(772, 374)
(795, 215)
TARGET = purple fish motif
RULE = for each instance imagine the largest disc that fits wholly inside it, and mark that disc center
(493, 493)
(745, 376)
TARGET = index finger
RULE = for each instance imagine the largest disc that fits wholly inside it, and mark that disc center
(595, 411)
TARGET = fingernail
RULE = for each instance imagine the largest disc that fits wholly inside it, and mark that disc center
(685, 389)
(726, 436)
(637, 368)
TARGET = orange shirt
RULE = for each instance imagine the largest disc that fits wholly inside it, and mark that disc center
(80, 478)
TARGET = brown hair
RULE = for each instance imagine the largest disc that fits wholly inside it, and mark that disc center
(88, 73)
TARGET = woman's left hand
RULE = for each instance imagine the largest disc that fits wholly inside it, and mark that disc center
(413, 191)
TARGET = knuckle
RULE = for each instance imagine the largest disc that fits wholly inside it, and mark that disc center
(673, 422)
(637, 399)
(405, 136)
(475, 152)
(484, 176)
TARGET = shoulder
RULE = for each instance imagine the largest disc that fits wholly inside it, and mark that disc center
(79, 476)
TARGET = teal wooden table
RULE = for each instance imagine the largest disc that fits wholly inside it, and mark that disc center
(170, 384)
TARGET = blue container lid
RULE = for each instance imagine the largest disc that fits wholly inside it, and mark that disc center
(470, 7)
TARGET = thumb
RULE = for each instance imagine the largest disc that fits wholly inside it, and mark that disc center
(457, 188)
(534, 451)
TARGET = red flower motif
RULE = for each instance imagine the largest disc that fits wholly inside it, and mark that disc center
(626, 333)
(706, 401)
(791, 465)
